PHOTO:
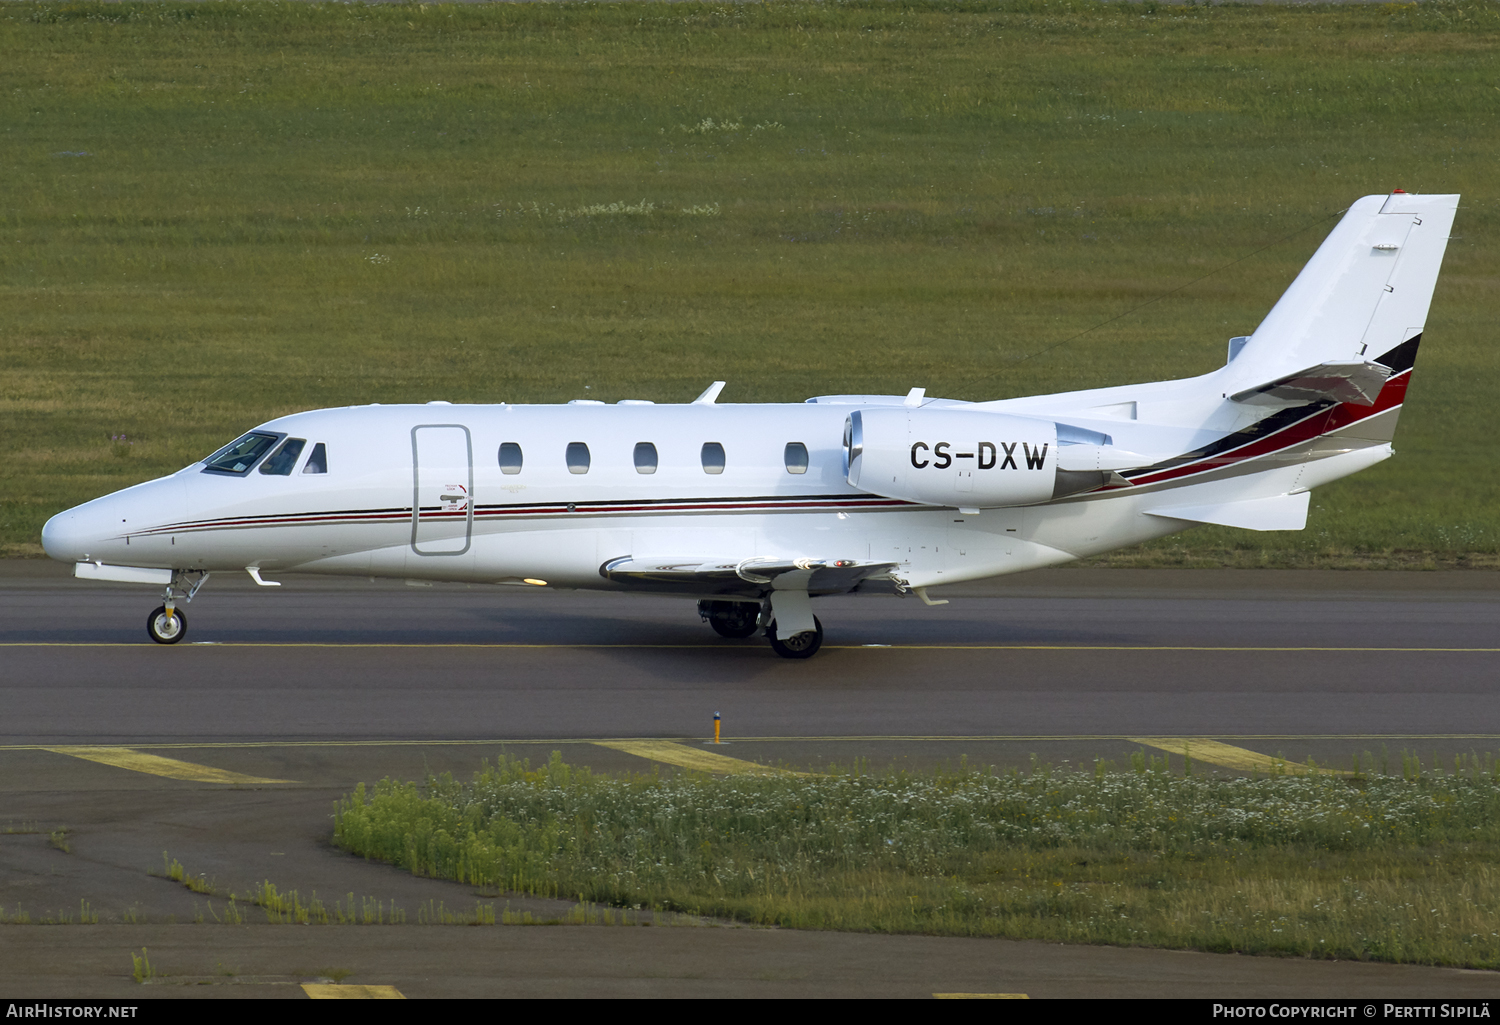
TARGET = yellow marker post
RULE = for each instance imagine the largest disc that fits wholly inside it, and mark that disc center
(716, 727)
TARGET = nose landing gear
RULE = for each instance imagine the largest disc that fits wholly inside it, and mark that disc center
(166, 625)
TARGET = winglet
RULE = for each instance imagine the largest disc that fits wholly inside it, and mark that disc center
(710, 395)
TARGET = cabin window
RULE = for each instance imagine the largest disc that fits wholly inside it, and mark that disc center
(713, 457)
(318, 461)
(645, 457)
(510, 457)
(796, 457)
(239, 455)
(284, 460)
(578, 457)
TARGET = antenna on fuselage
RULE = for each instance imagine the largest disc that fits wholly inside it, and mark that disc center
(710, 395)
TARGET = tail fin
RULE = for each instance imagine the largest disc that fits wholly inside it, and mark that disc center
(1363, 295)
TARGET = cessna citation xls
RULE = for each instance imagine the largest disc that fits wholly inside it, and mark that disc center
(754, 510)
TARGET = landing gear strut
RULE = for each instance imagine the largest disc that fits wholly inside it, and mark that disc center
(166, 625)
(731, 618)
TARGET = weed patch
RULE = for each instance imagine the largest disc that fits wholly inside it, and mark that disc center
(1352, 865)
(173, 870)
(141, 970)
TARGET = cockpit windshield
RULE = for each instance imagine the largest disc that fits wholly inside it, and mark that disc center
(239, 456)
(284, 458)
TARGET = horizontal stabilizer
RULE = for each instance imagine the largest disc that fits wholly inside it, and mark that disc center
(1354, 381)
(751, 576)
(1283, 512)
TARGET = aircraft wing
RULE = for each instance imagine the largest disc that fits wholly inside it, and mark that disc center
(1355, 381)
(750, 577)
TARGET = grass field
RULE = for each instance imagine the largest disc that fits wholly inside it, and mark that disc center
(218, 213)
(1362, 865)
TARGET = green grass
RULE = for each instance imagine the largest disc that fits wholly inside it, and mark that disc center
(287, 206)
(1355, 866)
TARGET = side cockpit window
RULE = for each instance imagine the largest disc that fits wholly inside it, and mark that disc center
(281, 462)
(318, 461)
(240, 455)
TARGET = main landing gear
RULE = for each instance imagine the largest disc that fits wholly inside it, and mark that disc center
(735, 619)
(166, 625)
(802, 645)
(741, 619)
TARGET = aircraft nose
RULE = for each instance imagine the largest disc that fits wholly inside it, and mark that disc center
(63, 538)
(82, 532)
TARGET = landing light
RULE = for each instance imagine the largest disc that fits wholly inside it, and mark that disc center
(534, 581)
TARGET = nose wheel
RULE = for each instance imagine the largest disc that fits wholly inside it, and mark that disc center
(165, 627)
(166, 624)
(803, 645)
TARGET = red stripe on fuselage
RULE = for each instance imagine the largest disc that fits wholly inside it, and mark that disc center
(559, 509)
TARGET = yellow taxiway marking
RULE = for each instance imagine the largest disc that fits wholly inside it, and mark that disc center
(1230, 757)
(331, 991)
(980, 996)
(857, 738)
(156, 765)
(194, 645)
(671, 753)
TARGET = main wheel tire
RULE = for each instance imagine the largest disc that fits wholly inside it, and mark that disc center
(736, 619)
(164, 630)
(803, 645)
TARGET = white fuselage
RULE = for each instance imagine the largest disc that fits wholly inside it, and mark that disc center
(544, 522)
(380, 508)
(783, 502)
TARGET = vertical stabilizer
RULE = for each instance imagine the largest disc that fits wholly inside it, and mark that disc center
(1365, 292)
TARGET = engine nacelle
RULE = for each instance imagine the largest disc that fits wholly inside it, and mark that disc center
(955, 457)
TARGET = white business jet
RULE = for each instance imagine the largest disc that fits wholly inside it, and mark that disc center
(755, 510)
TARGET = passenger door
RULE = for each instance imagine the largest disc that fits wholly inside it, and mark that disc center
(442, 520)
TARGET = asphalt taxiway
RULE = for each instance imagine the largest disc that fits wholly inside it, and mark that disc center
(228, 750)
